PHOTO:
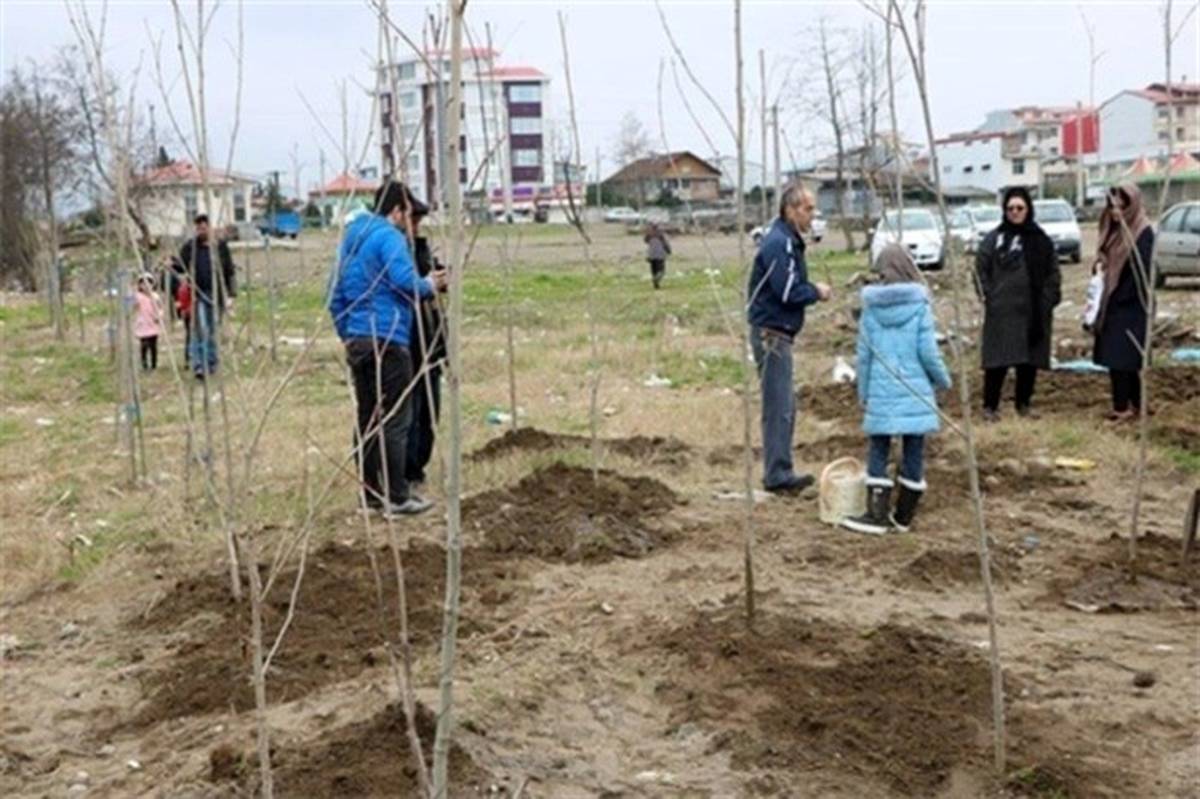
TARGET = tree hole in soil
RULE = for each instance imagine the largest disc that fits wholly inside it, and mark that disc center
(653, 449)
(940, 569)
(335, 633)
(559, 513)
(892, 705)
(1100, 582)
(366, 758)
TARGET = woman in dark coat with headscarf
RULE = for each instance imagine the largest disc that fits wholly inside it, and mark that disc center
(1126, 246)
(1020, 285)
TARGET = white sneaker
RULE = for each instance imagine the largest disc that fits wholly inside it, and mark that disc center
(409, 507)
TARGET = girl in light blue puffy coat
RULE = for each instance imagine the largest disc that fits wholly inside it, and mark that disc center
(899, 367)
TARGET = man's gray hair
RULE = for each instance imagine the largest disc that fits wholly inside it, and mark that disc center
(792, 194)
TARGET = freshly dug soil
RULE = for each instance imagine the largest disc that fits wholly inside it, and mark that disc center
(334, 635)
(1100, 582)
(655, 449)
(367, 758)
(559, 513)
(892, 705)
(942, 569)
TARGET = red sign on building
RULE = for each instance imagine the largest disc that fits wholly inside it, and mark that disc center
(1081, 134)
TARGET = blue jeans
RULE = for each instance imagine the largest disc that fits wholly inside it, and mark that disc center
(202, 346)
(773, 356)
(912, 462)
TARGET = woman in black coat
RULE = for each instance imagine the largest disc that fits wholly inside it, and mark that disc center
(1020, 285)
(1123, 257)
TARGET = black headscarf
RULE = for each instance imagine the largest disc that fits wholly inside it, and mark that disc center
(1038, 256)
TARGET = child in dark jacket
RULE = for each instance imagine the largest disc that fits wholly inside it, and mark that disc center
(899, 366)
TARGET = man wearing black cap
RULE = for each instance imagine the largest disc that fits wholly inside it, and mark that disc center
(373, 291)
(428, 345)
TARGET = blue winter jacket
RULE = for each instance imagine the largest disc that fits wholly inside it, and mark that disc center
(779, 290)
(373, 284)
(898, 355)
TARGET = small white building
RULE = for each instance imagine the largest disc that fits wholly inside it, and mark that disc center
(169, 198)
(1138, 123)
(988, 161)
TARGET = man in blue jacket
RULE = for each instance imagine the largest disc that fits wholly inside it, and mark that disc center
(371, 296)
(779, 292)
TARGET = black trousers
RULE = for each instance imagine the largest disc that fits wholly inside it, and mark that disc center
(427, 408)
(1126, 390)
(658, 268)
(379, 384)
(149, 350)
(993, 385)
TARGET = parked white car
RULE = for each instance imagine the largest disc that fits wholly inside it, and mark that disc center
(622, 214)
(921, 236)
(1057, 218)
(815, 233)
(985, 218)
(963, 230)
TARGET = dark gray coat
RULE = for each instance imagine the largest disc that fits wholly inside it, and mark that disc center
(1125, 314)
(1005, 288)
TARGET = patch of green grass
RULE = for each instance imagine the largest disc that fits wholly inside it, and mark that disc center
(10, 430)
(122, 533)
(1185, 459)
(707, 367)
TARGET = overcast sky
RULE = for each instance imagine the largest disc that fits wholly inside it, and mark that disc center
(982, 56)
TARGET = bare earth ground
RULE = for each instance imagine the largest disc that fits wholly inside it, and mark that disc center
(603, 646)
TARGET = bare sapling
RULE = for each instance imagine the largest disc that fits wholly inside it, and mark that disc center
(574, 159)
(914, 38)
(445, 719)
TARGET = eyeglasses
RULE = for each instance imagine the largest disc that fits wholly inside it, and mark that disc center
(1016, 207)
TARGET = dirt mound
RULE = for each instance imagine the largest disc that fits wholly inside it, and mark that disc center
(334, 635)
(893, 705)
(832, 401)
(941, 569)
(655, 449)
(368, 758)
(559, 513)
(1100, 582)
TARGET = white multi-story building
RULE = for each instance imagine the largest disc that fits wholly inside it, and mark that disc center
(412, 113)
(986, 161)
(1138, 123)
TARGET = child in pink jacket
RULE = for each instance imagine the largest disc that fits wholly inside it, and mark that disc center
(147, 322)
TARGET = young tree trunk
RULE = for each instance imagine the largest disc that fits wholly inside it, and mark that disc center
(916, 53)
(763, 214)
(445, 724)
(835, 122)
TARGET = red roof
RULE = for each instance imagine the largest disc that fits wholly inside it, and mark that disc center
(1142, 166)
(185, 173)
(346, 184)
(518, 72)
(1186, 93)
(1184, 164)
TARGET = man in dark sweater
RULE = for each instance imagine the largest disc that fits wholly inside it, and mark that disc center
(779, 291)
(212, 294)
(428, 346)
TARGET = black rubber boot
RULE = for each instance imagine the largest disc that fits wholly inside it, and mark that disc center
(906, 504)
(879, 502)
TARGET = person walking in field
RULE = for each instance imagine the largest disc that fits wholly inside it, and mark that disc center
(373, 289)
(1126, 245)
(148, 321)
(658, 247)
(212, 293)
(779, 292)
(899, 367)
(1020, 285)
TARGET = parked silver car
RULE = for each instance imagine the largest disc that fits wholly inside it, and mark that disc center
(1177, 246)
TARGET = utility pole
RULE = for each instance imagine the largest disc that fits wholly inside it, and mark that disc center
(762, 104)
(599, 193)
(775, 127)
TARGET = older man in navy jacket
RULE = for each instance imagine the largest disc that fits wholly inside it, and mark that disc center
(779, 292)
(372, 294)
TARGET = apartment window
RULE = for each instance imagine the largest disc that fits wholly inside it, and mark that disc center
(525, 125)
(527, 157)
(408, 99)
(525, 93)
(1164, 113)
(190, 206)
(1018, 166)
(1179, 112)
(968, 169)
(407, 71)
(1179, 134)
(1053, 151)
(1163, 135)
(985, 168)
(239, 205)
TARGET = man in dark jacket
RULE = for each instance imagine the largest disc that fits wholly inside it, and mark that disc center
(428, 343)
(779, 291)
(373, 289)
(212, 294)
